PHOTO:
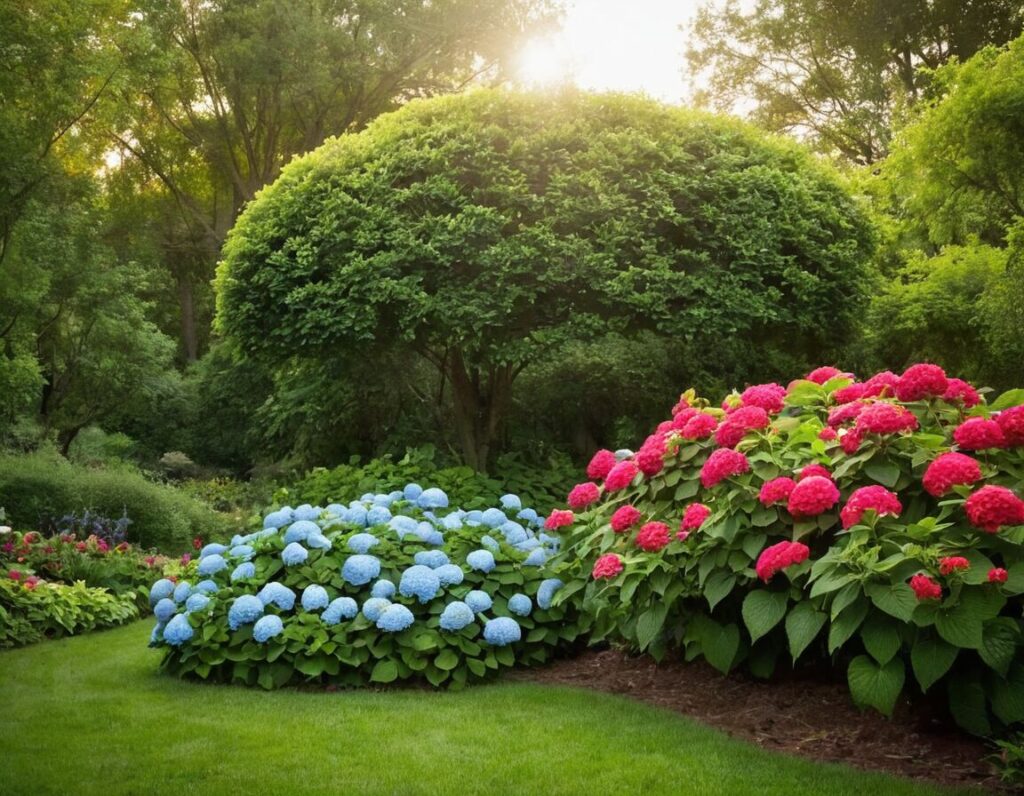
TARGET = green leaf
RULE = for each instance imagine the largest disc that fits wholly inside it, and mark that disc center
(687, 489)
(999, 640)
(803, 624)
(846, 624)
(881, 638)
(764, 516)
(720, 645)
(763, 610)
(844, 597)
(1008, 696)
(883, 471)
(963, 624)
(897, 599)
(1007, 399)
(718, 586)
(876, 686)
(386, 671)
(967, 704)
(446, 660)
(931, 658)
(649, 624)
(761, 661)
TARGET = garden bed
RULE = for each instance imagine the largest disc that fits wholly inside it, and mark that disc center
(803, 714)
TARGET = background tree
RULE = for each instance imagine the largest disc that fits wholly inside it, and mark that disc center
(837, 72)
(482, 230)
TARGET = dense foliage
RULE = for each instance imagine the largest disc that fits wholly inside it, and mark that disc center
(871, 524)
(390, 587)
(37, 491)
(481, 230)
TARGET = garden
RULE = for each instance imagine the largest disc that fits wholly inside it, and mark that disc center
(392, 401)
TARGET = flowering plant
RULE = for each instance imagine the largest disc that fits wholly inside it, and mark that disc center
(874, 524)
(391, 586)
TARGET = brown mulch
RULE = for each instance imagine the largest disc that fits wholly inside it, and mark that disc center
(803, 714)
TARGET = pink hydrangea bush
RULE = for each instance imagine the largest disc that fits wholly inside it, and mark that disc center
(876, 524)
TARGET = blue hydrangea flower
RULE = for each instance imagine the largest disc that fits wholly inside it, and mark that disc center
(374, 607)
(278, 594)
(356, 515)
(300, 531)
(432, 498)
(520, 604)
(514, 533)
(528, 544)
(494, 518)
(243, 551)
(314, 598)
(474, 517)
(402, 525)
(528, 515)
(479, 601)
(164, 610)
(182, 591)
(546, 592)
(412, 491)
(456, 616)
(307, 512)
(453, 521)
(362, 542)
(267, 628)
(335, 510)
(155, 636)
(212, 549)
(481, 560)
(367, 497)
(395, 618)
(211, 565)
(277, 519)
(421, 582)
(431, 537)
(244, 611)
(242, 571)
(431, 558)
(196, 602)
(378, 515)
(294, 554)
(450, 574)
(161, 589)
(383, 588)
(178, 631)
(395, 495)
(360, 569)
(207, 587)
(537, 558)
(340, 608)
(501, 631)
(317, 541)
(490, 543)
(511, 502)
(381, 499)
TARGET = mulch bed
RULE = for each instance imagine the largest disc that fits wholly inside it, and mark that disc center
(803, 714)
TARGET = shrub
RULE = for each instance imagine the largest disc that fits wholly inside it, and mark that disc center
(33, 609)
(830, 520)
(36, 489)
(390, 587)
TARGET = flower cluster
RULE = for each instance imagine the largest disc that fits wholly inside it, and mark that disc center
(779, 556)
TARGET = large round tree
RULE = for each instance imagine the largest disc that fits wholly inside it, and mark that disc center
(479, 228)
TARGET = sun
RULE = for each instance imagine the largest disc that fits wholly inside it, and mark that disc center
(544, 62)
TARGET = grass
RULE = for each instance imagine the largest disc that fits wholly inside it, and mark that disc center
(90, 715)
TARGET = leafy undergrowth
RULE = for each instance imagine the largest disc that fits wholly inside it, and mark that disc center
(90, 716)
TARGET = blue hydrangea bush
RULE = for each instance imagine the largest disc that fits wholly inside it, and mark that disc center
(395, 586)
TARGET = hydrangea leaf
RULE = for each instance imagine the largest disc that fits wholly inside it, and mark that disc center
(803, 624)
(763, 610)
(931, 658)
(876, 686)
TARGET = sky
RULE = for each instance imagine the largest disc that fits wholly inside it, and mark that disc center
(615, 45)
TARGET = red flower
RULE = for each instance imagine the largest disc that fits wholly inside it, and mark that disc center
(949, 470)
(650, 459)
(852, 392)
(738, 423)
(951, 564)
(886, 418)
(845, 413)
(81, 547)
(997, 575)
(979, 433)
(14, 574)
(197, 543)
(123, 547)
(925, 588)
(960, 390)
(779, 556)
(814, 469)
(1011, 421)
(31, 582)
(827, 434)
(559, 518)
(921, 381)
(681, 418)
(621, 476)
(681, 405)
(881, 384)
(992, 507)
(607, 567)
(776, 491)
(653, 536)
(186, 558)
(601, 464)
(850, 442)
(813, 496)
(721, 464)
(870, 498)
(150, 560)
(770, 397)
(700, 426)
(582, 495)
(624, 518)
(821, 375)
(694, 516)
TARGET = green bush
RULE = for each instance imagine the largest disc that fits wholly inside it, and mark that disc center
(919, 589)
(34, 611)
(36, 487)
(388, 588)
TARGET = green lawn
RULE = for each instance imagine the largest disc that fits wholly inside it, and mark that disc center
(91, 715)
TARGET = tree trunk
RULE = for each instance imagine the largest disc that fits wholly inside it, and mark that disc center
(480, 406)
(65, 437)
(189, 334)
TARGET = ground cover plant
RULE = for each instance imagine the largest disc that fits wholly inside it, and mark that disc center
(876, 524)
(389, 587)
